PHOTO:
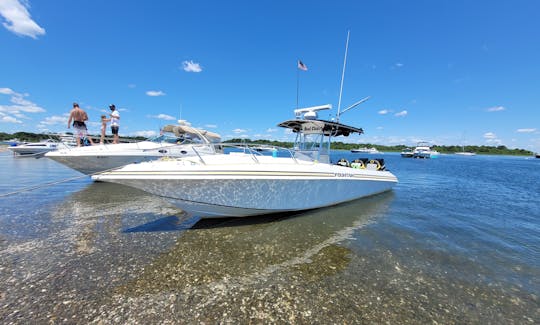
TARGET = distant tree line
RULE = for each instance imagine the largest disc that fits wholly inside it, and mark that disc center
(486, 150)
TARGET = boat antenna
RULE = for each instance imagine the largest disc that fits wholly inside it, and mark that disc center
(355, 104)
(343, 74)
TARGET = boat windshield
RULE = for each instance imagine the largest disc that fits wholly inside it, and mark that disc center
(167, 138)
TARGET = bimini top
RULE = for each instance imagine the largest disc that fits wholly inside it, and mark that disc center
(327, 128)
(183, 130)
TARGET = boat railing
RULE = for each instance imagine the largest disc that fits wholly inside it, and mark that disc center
(253, 150)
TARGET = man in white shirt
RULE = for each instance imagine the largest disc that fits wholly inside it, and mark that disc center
(115, 122)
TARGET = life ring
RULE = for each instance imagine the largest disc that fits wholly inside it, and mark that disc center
(343, 162)
(376, 162)
(357, 163)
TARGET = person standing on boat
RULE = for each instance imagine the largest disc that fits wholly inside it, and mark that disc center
(79, 117)
(115, 124)
(104, 121)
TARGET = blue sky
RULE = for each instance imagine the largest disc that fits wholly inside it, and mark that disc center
(448, 72)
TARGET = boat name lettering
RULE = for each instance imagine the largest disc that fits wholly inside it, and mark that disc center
(343, 175)
(312, 128)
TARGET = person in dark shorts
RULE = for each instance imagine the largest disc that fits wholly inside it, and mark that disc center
(79, 117)
(115, 122)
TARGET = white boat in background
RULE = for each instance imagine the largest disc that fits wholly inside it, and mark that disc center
(12, 142)
(365, 150)
(37, 149)
(465, 153)
(176, 141)
(537, 155)
(246, 182)
(423, 150)
(407, 153)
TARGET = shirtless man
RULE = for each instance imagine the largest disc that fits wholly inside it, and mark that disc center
(78, 116)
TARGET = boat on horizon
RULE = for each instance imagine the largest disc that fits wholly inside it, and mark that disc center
(37, 149)
(465, 153)
(365, 150)
(246, 182)
(423, 150)
(175, 141)
(407, 153)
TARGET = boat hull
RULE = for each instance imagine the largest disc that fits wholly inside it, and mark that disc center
(36, 148)
(98, 163)
(99, 158)
(256, 189)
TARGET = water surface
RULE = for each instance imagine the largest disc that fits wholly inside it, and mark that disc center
(456, 241)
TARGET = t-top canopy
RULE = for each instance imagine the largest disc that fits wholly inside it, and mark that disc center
(180, 130)
(327, 128)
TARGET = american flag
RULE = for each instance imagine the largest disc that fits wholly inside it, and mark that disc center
(302, 66)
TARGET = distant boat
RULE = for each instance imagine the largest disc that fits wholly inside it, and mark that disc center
(12, 142)
(37, 148)
(465, 153)
(537, 155)
(423, 150)
(407, 153)
(365, 150)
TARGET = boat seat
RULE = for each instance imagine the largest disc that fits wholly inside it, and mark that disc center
(343, 162)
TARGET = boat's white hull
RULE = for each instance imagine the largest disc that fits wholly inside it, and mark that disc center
(425, 154)
(365, 150)
(99, 158)
(244, 189)
(36, 148)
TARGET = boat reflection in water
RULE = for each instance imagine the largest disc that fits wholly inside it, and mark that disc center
(241, 252)
(167, 250)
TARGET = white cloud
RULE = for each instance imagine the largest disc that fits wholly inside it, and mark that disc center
(163, 117)
(496, 109)
(271, 130)
(145, 134)
(12, 113)
(237, 131)
(398, 65)
(210, 126)
(490, 135)
(17, 18)
(402, 113)
(190, 66)
(132, 86)
(9, 119)
(383, 112)
(379, 128)
(155, 93)
(6, 91)
(55, 119)
(526, 130)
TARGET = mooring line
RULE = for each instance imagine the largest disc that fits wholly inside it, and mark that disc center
(35, 187)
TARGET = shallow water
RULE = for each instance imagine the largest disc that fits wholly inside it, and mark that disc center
(456, 241)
